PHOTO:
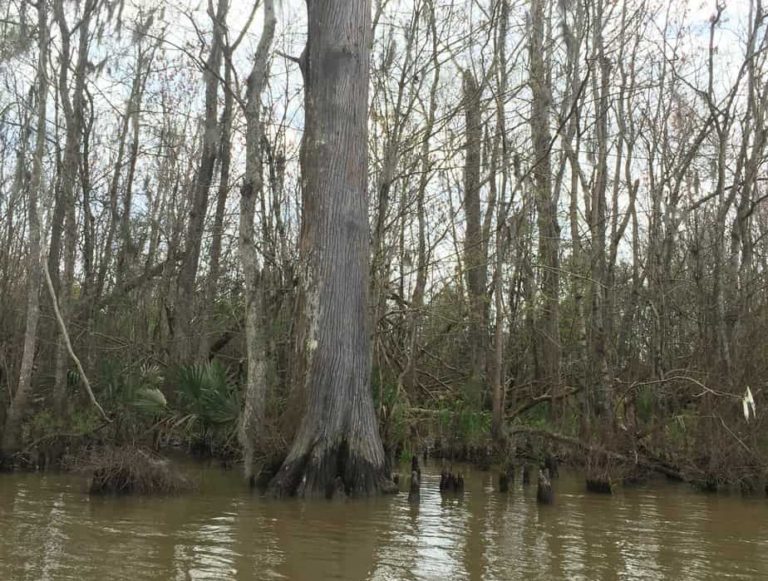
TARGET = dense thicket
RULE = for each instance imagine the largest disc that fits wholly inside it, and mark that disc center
(567, 226)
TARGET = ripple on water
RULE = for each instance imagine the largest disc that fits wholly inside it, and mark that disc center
(51, 530)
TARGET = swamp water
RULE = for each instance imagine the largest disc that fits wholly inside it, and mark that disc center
(51, 529)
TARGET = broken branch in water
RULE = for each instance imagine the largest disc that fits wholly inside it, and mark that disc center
(576, 443)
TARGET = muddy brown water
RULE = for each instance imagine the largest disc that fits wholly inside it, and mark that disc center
(50, 529)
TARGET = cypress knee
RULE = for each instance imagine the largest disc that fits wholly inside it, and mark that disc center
(544, 493)
(506, 478)
(526, 475)
(550, 463)
(415, 465)
(413, 493)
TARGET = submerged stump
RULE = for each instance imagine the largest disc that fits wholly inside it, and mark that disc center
(544, 492)
(415, 465)
(599, 485)
(130, 470)
(551, 464)
(601, 473)
(507, 478)
(451, 483)
(526, 474)
(414, 494)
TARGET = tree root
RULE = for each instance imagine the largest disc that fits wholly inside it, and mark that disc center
(332, 473)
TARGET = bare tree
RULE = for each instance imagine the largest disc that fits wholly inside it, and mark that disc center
(36, 188)
(252, 421)
(74, 107)
(548, 326)
(475, 267)
(184, 344)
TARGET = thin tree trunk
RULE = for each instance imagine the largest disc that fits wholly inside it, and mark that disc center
(598, 377)
(114, 215)
(225, 159)
(501, 238)
(128, 249)
(548, 333)
(185, 305)
(381, 267)
(16, 411)
(407, 377)
(475, 267)
(252, 421)
(73, 111)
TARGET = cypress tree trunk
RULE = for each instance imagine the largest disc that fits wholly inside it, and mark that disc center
(337, 446)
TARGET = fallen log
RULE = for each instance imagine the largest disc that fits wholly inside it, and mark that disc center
(594, 449)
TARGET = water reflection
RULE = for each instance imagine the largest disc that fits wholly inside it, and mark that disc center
(49, 529)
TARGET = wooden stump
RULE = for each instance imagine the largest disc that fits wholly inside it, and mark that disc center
(415, 465)
(503, 482)
(451, 483)
(544, 492)
(550, 463)
(507, 478)
(599, 485)
(414, 494)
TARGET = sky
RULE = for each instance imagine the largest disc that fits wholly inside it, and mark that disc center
(183, 20)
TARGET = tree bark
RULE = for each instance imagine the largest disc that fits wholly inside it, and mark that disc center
(337, 444)
(548, 335)
(598, 374)
(252, 421)
(225, 161)
(475, 267)
(502, 235)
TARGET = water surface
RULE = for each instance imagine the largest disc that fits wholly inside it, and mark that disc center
(50, 529)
